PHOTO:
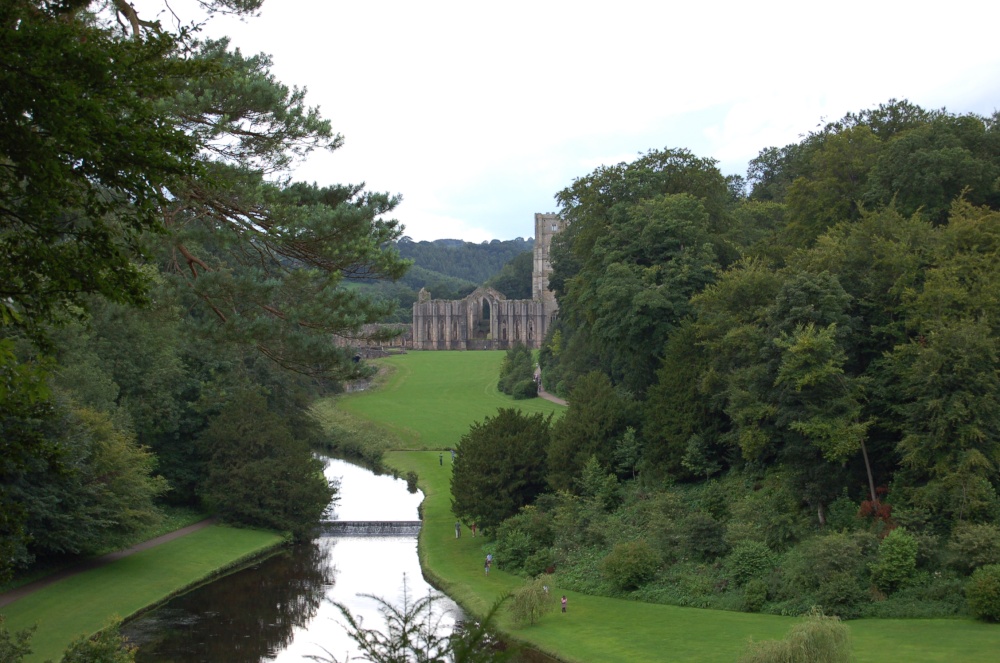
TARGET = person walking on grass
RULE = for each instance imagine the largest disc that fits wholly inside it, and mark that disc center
(486, 566)
(564, 603)
(458, 530)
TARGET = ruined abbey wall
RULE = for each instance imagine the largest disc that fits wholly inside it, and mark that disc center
(486, 320)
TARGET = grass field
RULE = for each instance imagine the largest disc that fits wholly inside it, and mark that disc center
(429, 399)
(429, 403)
(84, 603)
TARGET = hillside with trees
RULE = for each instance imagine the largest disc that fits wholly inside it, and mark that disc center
(783, 389)
(451, 269)
(167, 294)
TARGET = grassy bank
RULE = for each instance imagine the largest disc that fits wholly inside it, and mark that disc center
(605, 629)
(429, 402)
(84, 603)
(428, 399)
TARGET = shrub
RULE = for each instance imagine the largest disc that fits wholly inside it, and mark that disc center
(524, 389)
(107, 646)
(513, 547)
(630, 565)
(983, 593)
(819, 639)
(524, 537)
(841, 594)
(754, 595)
(897, 560)
(973, 546)
(773, 512)
(539, 562)
(830, 568)
(517, 369)
(843, 514)
(14, 646)
(411, 481)
(704, 535)
(749, 559)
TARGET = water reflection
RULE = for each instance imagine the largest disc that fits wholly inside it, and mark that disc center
(246, 616)
(280, 609)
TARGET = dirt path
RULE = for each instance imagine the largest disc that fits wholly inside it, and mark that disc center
(544, 394)
(96, 562)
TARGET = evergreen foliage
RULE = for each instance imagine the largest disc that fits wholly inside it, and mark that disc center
(499, 468)
(260, 474)
(517, 373)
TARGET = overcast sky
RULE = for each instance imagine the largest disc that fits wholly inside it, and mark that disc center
(478, 113)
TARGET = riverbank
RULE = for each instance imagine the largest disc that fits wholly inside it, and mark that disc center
(605, 629)
(84, 603)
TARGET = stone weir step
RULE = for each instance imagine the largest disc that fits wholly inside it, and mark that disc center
(370, 527)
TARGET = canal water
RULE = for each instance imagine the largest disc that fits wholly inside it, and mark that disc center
(281, 609)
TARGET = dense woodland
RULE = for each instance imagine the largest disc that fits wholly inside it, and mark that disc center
(451, 269)
(167, 293)
(783, 388)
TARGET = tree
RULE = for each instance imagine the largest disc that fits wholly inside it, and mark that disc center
(597, 415)
(101, 488)
(514, 278)
(87, 156)
(517, 373)
(499, 467)
(531, 601)
(642, 238)
(259, 473)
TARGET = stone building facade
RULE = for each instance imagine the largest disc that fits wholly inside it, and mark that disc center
(486, 319)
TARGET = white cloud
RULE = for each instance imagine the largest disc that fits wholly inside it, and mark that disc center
(479, 113)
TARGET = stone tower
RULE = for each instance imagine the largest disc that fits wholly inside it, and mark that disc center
(546, 227)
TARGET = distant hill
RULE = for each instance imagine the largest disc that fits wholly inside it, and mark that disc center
(451, 269)
(464, 260)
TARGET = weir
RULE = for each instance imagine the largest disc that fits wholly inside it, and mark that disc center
(369, 528)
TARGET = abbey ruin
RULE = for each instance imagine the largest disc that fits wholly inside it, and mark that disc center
(486, 319)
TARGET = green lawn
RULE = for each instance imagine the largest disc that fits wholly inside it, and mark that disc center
(431, 398)
(84, 603)
(430, 401)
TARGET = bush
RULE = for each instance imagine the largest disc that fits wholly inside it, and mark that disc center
(749, 559)
(830, 568)
(841, 594)
(523, 541)
(107, 646)
(819, 639)
(517, 369)
(983, 593)
(524, 389)
(630, 565)
(973, 546)
(513, 547)
(842, 514)
(704, 536)
(897, 560)
(14, 646)
(754, 595)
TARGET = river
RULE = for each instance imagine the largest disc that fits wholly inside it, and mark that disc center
(281, 608)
